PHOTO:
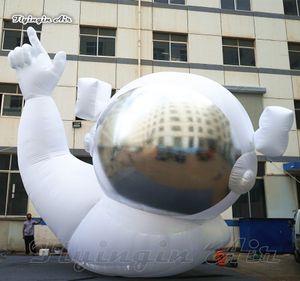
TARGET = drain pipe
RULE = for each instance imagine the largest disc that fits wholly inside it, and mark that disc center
(139, 37)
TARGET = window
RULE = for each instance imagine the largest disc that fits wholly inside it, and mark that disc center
(175, 119)
(252, 204)
(13, 197)
(294, 55)
(11, 100)
(169, 47)
(238, 51)
(14, 34)
(243, 5)
(97, 41)
(291, 7)
(176, 128)
(177, 2)
(191, 142)
(178, 142)
(297, 113)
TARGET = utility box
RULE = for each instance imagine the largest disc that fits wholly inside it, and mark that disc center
(266, 235)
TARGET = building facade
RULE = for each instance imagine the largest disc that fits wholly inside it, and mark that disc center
(252, 47)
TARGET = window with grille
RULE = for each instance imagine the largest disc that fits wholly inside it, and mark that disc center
(11, 100)
(294, 55)
(13, 197)
(297, 113)
(238, 51)
(243, 5)
(291, 7)
(97, 41)
(14, 34)
(177, 2)
(169, 46)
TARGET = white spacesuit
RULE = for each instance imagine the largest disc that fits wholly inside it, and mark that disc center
(152, 205)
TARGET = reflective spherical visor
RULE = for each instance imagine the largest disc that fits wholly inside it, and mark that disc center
(165, 148)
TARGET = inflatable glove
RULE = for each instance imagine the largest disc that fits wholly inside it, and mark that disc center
(271, 139)
(36, 73)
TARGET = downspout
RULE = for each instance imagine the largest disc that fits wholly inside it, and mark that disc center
(139, 37)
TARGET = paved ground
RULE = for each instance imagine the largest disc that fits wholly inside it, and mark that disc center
(271, 268)
(15, 268)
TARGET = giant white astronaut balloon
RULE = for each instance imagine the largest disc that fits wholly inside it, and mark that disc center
(171, 152)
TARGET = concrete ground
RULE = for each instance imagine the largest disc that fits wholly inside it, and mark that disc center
(270, 268)
(28, 268)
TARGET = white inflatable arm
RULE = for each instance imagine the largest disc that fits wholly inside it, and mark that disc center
(272, 137)
(55, 181)
(41, 132)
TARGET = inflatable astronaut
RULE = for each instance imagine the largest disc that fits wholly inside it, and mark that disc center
(171, 152)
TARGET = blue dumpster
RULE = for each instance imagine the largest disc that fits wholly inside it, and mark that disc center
(266, 235)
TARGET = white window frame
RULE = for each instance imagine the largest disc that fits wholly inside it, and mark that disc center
(22, 30)
(170, 41)
(293, 51)
(297, 113)
(9, 172)
(235, 6)
(97, 39)
(171, 3)
(239, 47)
(2, 97)
(297, 9)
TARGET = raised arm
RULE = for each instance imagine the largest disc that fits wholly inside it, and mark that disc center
(37, 76)
(62, 188)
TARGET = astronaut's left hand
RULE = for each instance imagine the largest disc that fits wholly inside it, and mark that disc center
(36, 73)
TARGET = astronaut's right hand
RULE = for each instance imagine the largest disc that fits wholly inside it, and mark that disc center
(36, 73)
